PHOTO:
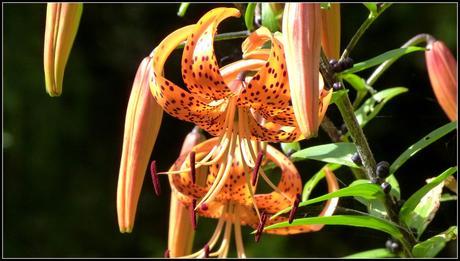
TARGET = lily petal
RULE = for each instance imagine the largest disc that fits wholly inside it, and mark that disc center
(142, 123)
(62, 21)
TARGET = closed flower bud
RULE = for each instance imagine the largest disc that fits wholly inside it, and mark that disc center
(330, 32)
(62, 20)
(442, 69)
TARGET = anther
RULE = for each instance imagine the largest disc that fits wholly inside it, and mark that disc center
(155, 181)
(356, 159)
(206, 251)
(192, 166)
(204, 206)
(294, 208)
(193, 214)
(383, 169)
(260, 227)
(167, 254)
(256, 168)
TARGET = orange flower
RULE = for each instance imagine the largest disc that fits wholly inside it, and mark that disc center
(302, 39)
(142, 123)
(62, 20)
(330, 31)
(442, 69)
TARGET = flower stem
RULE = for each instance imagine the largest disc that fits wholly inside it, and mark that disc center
(223, 36)
(385, 65)
(364, 26)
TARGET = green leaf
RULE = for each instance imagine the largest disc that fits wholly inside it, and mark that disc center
(396, 53)
(313, 181)
(374, 253)
(347, 220)
(395, 190)
(424, 142)
(249, 16)
(432, 246)
(326, 5)
(359, 84)
(269, 18)
(363, 189)
(339, 153)
(372, 106)
(337, 94)
(290, 147)
(406, 214)
(372, 8)
(448, 197)
(182, 9)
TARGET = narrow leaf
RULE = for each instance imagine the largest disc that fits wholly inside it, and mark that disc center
(347, 220)
(432, 246)
(413, 201)
(337, 94)
(313, 181)
(424, 142)
(182, 9)
(374, 253)
(339, 153)
(290, 148)
(249, 16)
(372, 8)
(269, 18)
(396, 53)
(360, 85)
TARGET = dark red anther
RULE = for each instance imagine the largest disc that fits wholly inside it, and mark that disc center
(166, 254)
(193, 214)
(204, 206)
(256, 168)
(192, 166)
(206, 251)
(260, 227)
(155, 180)
(294, 208)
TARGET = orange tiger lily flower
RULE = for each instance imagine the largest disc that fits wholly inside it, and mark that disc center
(237, 203)
(62, 20)
(442, 69)
(302, 39)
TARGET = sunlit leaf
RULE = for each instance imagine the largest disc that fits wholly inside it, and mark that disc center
(406, 214)
(396, 53)
(249, 16)
(374, 253)
(432, 246)
(269, 18)
(182, 9)
(424, 142)
(448, 197)
(313, 181)
(290, 147)
(337, 94)
(339, 153)
(372, 8)
(359, 84)
(347, 220)
(326, 5)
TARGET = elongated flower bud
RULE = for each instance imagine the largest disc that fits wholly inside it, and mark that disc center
(142, 123)
(442, 69)
(62, 20)
(181, 232)
(330, 31)
(302, 39)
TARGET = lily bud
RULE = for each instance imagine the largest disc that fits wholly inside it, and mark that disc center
(62, 20)
(181, 232)
(330, 31)
(302, 39)
(442, 69)
(142, 123)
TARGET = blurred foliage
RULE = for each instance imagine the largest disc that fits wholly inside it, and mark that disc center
(61, 155)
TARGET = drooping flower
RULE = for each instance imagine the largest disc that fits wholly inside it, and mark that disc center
(142, 123)
(62, 20)
(302, 39)
(442, 69)
(330, 31)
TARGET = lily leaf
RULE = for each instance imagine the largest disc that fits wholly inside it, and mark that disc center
(347, 220)
(326, 5)
(432, 246)
(359, 84)
(372, 8)
(269, 18)
(290, 147)
(375, 206)
(182, 9)
(424, 142)
(374, 253)
(339, 153)
(396, 53)
(337, 94)
(365, 190)
(313, 181)
(407, 213)
(249, 16)
(372, 106)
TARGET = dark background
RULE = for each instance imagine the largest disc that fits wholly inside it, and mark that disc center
(61, 155)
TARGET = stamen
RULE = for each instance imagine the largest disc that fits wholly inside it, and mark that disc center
(193, 214)
(155, 181)
(167, 254)
(260, 227)
(256, 168)
(192, 166)
(206, 251)
(204, 206)
(238, 237)
(294, 208)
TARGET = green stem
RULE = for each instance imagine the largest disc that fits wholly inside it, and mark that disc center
(224, 36)
(362, 29)
(385, 65)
